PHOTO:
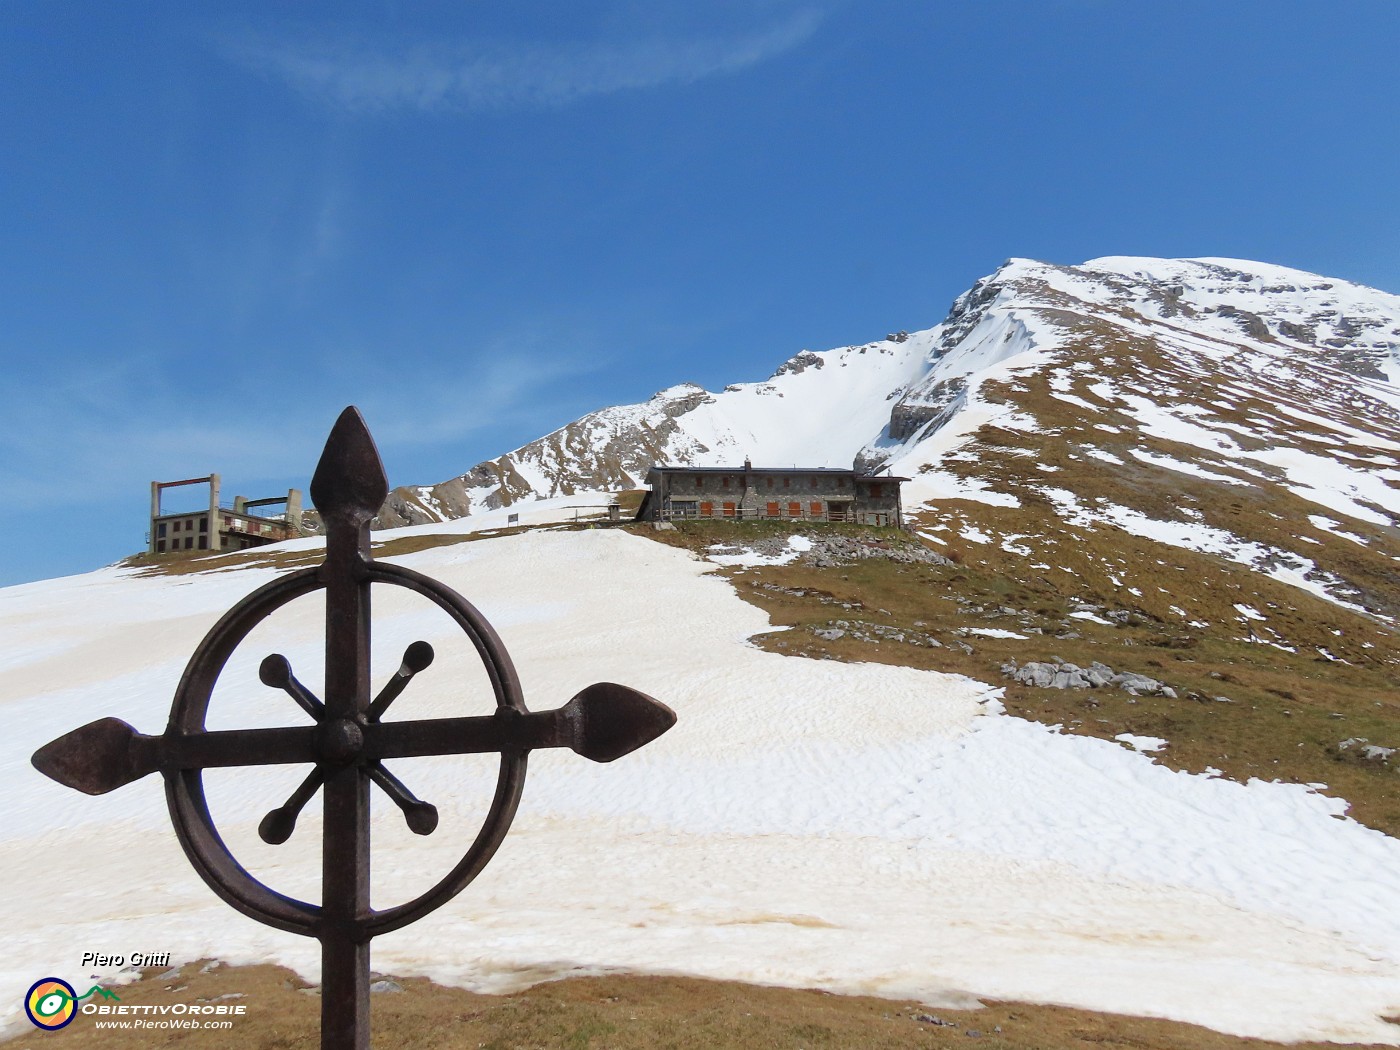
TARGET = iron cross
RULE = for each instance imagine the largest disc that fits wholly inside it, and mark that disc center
(348, 742)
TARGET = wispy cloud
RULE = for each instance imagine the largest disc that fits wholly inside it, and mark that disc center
(517, 381)
(360, 76)
(109, 429)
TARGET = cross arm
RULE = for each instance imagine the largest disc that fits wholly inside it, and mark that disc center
(603, 722)
(104, 755)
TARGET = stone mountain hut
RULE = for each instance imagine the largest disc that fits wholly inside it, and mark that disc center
(752, 493)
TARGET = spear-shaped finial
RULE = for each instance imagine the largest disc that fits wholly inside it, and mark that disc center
(349, 483)
(98, 757)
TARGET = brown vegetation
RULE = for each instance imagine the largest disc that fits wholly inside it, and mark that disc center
(618, 1013)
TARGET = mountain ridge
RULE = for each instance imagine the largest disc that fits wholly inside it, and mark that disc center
(875, 403)
(1228, 373)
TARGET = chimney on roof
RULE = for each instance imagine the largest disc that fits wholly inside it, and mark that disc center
(747, 464)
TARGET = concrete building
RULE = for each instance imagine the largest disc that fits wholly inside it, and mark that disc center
(221, 527)
(755, 493)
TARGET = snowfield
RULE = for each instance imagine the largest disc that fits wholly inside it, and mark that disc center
(855, 827)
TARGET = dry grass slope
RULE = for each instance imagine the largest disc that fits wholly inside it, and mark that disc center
(619, 1013)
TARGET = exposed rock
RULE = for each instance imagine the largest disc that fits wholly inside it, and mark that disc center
(799, 363)
(1062, 675)
(931, 1019)
(607, 450)
(863, 631)
(1170, 298)
(1361, 748)
(831, 550)
(930, 407)
(1252, 324)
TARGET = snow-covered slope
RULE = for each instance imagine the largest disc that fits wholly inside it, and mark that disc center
(816, 410)
(1215, 315)
(1234, 409)
(852, 826)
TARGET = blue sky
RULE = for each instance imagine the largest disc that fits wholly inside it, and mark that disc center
(477, 221)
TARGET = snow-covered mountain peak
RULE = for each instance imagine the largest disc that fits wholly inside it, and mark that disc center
(1124, 380)
(679, 392)
(1347, 325)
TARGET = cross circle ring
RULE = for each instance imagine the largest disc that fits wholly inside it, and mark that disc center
(184, 788)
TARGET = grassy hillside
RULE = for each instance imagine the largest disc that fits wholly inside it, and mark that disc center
(1244, 708)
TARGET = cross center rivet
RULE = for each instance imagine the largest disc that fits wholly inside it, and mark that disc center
(341, 741)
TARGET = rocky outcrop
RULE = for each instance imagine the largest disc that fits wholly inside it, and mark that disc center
(863, 631)
(798, 363)
(1362, 750)
(603, 451)
(967, 309)
(1250, 323)
(1061, 675)
(1169, 298)
(931, 409)
(829, 550)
